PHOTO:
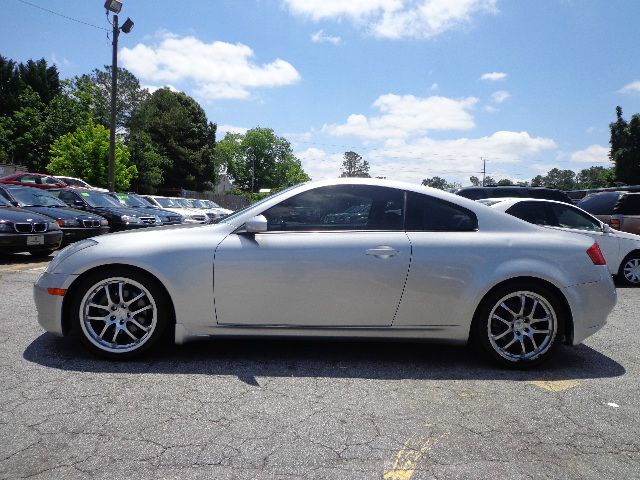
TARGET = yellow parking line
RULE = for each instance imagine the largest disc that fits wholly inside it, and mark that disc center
(408, 456)
(555, 385)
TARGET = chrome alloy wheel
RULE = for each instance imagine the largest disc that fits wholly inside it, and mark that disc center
(522, 326)
(631, 271)
(118, 315)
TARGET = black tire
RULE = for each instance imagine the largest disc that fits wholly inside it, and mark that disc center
(135, 282)
(41, 253)
(631, 260)
(492, 335)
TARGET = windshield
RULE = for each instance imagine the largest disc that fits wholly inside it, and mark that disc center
(98, 199)
(131, 200)
(31, 197)
(199, 203)
(74, 182)
(4, 202)
(166, 202)
(211, 204)
(270, 197)
(182, 202)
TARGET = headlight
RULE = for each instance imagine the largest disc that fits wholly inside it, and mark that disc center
(6, 227)
(68, 251)
(53, 226)
(69, 223)
(129, 219)
(104, 222)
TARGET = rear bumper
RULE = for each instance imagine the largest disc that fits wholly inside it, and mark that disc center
(50, 306)
(590, 303)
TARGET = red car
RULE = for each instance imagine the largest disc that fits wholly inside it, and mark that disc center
(37, 180)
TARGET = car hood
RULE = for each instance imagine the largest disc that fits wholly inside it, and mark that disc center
(63, 213)
(14, 214)
(118, 211)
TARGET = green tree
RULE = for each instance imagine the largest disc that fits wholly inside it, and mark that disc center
(475, 181)
(625, 148)
(10, 86)
(98, 84)
(438, 182)
(43, 79)
(85, 154)
(259, 159)
(354, 166)
(537, 181)
(560, 179)
(505, 182)
(170, 135)
(595, 177)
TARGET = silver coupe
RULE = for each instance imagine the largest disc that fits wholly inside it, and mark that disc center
(413, 263)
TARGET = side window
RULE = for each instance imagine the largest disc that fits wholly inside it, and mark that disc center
(339, 207)
(568, 217)
(49, 181)
(628, 204)
(66, 197)
(28, 179)
(532, 212)
(425, 213)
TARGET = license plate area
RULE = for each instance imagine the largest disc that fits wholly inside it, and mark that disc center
(35, 240)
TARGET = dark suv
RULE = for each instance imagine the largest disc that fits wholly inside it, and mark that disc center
(478, 193)
(621, 210)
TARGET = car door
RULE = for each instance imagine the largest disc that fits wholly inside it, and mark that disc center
(334, 256)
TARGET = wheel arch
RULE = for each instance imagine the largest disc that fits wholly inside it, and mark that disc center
(68, 298)
(568, 324)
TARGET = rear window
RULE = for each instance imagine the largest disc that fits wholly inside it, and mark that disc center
(628, 204)
(425, 213)
(600, 203)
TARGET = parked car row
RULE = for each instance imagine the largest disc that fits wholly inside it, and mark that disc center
(80, 213)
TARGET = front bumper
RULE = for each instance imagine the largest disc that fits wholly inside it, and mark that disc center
(17, 242)
(590, 303)
(50, 306)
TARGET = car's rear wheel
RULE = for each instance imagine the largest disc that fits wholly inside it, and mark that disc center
(119, 314)
(629, 272)
(518, 325)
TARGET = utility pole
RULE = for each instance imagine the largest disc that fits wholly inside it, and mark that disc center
(484, 169)
(114, 87)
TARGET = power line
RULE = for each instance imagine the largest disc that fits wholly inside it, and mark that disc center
(62, 15)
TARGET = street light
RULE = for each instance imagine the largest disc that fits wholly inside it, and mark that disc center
(114, 6)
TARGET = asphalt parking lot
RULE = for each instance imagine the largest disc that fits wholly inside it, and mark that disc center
(246, 409)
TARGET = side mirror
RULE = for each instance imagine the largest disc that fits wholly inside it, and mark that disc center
(606, 228)
(256, 224)
(15, 204)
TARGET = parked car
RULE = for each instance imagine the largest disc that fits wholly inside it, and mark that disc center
(477, 193)
(189, 215)
(131, 200)
(620, 249)
(621, 210)
(514, 289)
(37, 180)
(190, 205)
(78, 183)
(24, 231)
(100, 203)
(75, 224)
(215, 213)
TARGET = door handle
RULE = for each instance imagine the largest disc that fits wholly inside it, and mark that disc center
(383, 251)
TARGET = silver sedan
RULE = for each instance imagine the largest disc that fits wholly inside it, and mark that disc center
(413, 263)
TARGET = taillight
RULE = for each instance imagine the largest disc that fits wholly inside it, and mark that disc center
(60, 222)
(595, 254)
(615, 223)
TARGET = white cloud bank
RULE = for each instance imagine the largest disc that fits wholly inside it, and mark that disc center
(396, 18)
(633, 87)
(500, 96)
(493, 76)
(218, 70)
(592, 155)
(405, 115)
(321, 37)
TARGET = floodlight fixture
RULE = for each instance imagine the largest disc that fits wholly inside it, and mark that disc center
(127, 25)
(113, 5)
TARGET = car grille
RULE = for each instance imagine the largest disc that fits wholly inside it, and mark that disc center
(91, 223)
(211, 215)
(174, 219)
(30, 227)
(199, 218)
(148, 220)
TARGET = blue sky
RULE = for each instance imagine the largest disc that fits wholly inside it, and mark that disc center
(417, 87)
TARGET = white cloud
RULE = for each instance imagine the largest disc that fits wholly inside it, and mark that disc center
(321, 37)
(396, 18)
(500, 96)
(490, 109)
(493, 76)
(224, 129)
(633, 87)
(217, 70)
(405, 115)
(434, 87)
(319, 164)
(593, 154)
(153, 88)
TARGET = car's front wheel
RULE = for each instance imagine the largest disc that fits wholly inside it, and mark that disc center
(629, 272)
(519, 324)
(119, 314)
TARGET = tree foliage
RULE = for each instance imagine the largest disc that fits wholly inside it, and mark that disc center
(85, 154)
(173, 141)
(440, 183)
(625, 148)
(353, 165)
(259, 159)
